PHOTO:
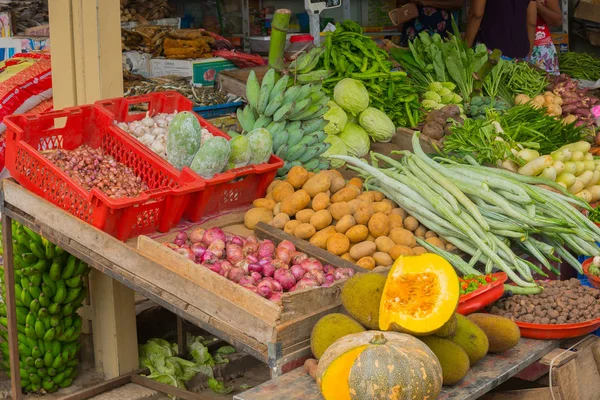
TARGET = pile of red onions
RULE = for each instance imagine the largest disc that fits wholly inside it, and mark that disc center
(257, 265)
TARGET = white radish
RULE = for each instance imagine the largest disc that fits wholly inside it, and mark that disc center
(570, 167)
(595, 191)
(589, 165)
(586, 177)
(510, 165)
(528, 155)
(585, 195)
(588, 157)
(549, 173)
(576, 187)
(595, 179)
(582, 146)
(535, 167)
(577, 156)
(559, 166)
(561, 155)
(566, 179)
(580, 167)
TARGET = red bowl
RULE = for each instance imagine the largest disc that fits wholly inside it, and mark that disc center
(483, 296)
(563, 331)
(593, 279)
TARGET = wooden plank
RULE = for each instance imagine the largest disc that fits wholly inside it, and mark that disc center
(11, 308)
(304, 302)
(99, 388)
(167, 389)
(299, 329)
(527, 394)
(63, 59)
(262, 308)
(558, 357)
(580, 378)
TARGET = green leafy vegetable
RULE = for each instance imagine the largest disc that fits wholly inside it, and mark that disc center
(219, 387)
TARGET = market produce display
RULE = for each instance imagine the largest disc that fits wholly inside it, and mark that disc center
(438, 122)
(293, 116)
(470, 283)
(561, 302)
(257, 265)
(579, 65)
(440, 94)
(49, 290)
(595, 267)
(478, 107)
(575, 101)
(480, 209)
(358, 225)
(550, 101)
(524, 78)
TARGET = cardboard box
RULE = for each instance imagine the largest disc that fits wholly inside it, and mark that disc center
(561, 42)
(204, 72)
(588, 11)
(7, 24)
(38, 31)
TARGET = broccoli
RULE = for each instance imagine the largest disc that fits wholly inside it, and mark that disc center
(429, 95)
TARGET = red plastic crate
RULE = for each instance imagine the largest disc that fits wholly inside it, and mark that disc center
(226, 191)
(160, 208)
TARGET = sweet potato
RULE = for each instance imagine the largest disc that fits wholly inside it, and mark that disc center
(304, 231)
(320, 238)
(357, 233)
(356, 182)
(338, 210)
(383, 259)
(379, 225)
(297, 176)
(319, 183)
(283, 190)
(395, 221)
(366, 263)
(400, 250)
(363, 214)
(305, 215)
(384, 244)
(382, 207)
(321, 219)
(363, 249)
(346, 194)
(290, 226)
(256, 215)
(320, 201)
(411, 223)
(296, 202)
(403, 237)
(338, 244)
(345, 223)
(279, 220)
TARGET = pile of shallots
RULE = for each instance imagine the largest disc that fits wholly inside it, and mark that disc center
(257, 265)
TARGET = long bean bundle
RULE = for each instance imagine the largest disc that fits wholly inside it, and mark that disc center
(484, 211)
(579, 65)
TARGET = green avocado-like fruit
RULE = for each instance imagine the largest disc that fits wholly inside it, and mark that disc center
(329, 329)
(361, 296)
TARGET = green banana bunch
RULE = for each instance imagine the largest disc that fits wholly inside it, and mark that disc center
(293, 115)
(49, 289)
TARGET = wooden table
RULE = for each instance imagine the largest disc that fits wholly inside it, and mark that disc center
(483, 377)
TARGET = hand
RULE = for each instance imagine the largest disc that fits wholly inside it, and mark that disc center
(539, 3)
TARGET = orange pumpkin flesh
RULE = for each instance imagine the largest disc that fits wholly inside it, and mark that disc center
(420, 295)
(335, 379)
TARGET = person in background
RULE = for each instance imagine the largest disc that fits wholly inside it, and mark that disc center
(434, 17)
(506, 25)
(544, 53)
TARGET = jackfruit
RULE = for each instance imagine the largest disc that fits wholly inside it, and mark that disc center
(471, 338)
(361, 296)
(502, 333)
(448, 329)
(453, 359)
(330, 328)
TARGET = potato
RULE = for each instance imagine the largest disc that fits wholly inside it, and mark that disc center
(311, 174)
(338, 210)
(357, 233)
(346, 194)
(363, 249)
(321, 219)
(381, 207)
(366, 263)
(383, 259)
(366, 196)
(277, 209)
(320, 202)
(354, 204)
(381, 270)
(399, 211)
(437, 242)
(403, 237)
(269, 196)
(363, 214)
(421, 231)
(273, 185)
(345, 223)
(450, 247)
(297, 176)
(319, 183)
(377, 196)
(371, 238)
(320, 238)
(400, 250)
(282, 191)
(290, 226)
(256, 215)
(280, 220)
(264, 203)
(304, 231)
(337, 180)
(379, 225)
(395, 221)
(430, 234)
(338, 244)
(346, 256)
(419, 250)
(356, 182)
(411, 223)
(304, 216)
(384, 244)
(391, 203)
(296, 202)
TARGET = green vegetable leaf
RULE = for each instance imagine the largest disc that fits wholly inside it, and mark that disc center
(219, 359)
(200, 354)
(219, 387)
(226, 350)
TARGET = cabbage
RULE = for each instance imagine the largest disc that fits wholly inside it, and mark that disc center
(336, 117)
(356, 140)
(351, 95)
(377, 124)
(337, 148)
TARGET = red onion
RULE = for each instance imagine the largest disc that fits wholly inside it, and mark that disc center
(179, 242)
(247, 281)
(237, 240)
(298, 257)
(226, 265)
(275, 297)
(343, 273)
(234, 253)
(283, 254)
(257, 277)
(286, 244)
(266, 249)
(217, 247)
(329, 278)
(317, 276)
(250, 248)
(187, 253)
(311, 264)
(235, 274)
(328, 268)
(285, 278)
(264, 261)
(304, 283)
(196, 235)
(279, 264)
(243, 264)
(198, 249)
(209, 257)
(264, 288)
(186, 246)
(274, 284)
(327, 284)
(251, 258)
(255, 268)
(268, 269)
(182, 236)
(213, 234)
(252, 239)
(297, 272)
(216, 267)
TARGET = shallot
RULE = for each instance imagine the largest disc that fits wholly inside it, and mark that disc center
(285, 278)
(297, 272)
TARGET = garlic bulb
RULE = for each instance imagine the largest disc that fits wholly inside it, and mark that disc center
(147, 121)
(147, 139)
(157, 147)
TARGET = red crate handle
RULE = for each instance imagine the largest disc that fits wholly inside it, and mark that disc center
(154, 100)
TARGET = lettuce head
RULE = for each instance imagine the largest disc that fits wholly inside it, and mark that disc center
(377, 124)
(356, 140)
(336, 118)
(351, 95)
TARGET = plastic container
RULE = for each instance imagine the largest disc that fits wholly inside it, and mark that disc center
(217, 110)
(226, 191)
(593, 280)
(483, 296)
(298, 44)
(563, 331)
(160, 208)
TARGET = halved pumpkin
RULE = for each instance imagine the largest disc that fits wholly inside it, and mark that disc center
(420, 295)
(379, 366)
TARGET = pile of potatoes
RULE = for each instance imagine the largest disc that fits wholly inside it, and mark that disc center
(360, 226)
